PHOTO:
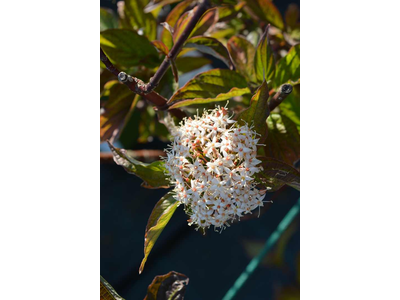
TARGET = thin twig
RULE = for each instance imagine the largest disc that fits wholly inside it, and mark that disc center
(154, 81)
(277, 99)
(133, 84)
(110, 67)
(146, 90)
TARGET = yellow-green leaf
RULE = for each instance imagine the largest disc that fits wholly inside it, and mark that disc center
(154, 4)
(159, 218)
(210, 86)
(258, 111)
(264, 62)
(153, 174)
(243, 52)
(207, 21)
(266, 11)
(107, 292)
(127, 48)
(161, 47)
(288, 67)
(229, 11)
(283, 141)
(172, 18)
(139, 20)
(290, 107)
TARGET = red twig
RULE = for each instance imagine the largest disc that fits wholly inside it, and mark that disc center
(154, 81)
(146, 90)
(277, 99)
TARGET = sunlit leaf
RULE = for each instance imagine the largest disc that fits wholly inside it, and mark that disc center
(172, 18)
(182, 23)
(171, 286)
(258, 112)
(223, 34)
(107, 292)
(243, 52)
(158, 4)
(276, 174)
(264, 62)
(228, 11)
(121, 46)
(206, 22)
(210, 86)
(187, 63)
(159, 218)
(161, 47)
(152, 174)
(107, 19)
(290, 107)
(117, 104)
(210, 46)
(283, 141)
(138, 20)
(288, 67)
(266, 11)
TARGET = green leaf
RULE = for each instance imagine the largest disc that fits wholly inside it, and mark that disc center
(158, 219)
(210, 46)
(107, 292)
(138, 20)
(207, 21)
(161, 47)
(117, 105)
(288, 67)
(127, 48)
(188, 63)
(266, 11)
(172, 18)
(243, 52)
(158, 4)
(107, 19)
(228, 11)
(264, 62)
(276, 174)
(290, 107)
(171, 286)
(152, 174)
(283, 141)
(210, 86)
(182, 23)
(258, 111)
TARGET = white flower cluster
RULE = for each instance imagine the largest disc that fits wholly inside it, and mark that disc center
(212, 163)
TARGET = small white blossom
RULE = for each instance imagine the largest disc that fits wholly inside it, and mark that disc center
(211, 163)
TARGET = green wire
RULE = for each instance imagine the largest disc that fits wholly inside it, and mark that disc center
(293, 212)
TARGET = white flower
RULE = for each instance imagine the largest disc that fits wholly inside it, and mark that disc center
(212, 162)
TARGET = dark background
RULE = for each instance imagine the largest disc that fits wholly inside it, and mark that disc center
(212, 262)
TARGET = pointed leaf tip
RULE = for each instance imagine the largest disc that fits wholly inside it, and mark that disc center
(159, 218)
